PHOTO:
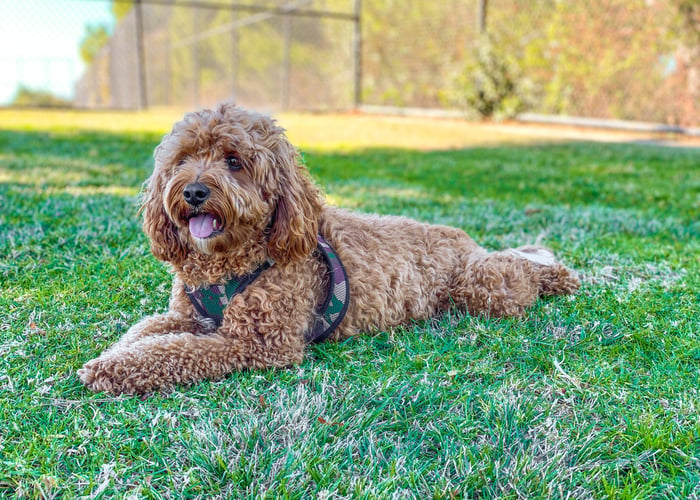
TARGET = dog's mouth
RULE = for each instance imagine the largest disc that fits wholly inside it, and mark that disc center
(205, 225)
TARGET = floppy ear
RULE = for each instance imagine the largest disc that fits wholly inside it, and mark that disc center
(295, 221)
(165, 242)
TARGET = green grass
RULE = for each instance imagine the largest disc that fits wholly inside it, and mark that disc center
(594, 396)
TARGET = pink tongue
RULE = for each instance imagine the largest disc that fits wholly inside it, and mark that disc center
(202, 226)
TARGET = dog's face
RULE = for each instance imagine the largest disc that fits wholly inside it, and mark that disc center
(220, 182)
(226, 177)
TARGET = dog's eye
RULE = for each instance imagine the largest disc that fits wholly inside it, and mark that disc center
(181, 161)
(233, 162)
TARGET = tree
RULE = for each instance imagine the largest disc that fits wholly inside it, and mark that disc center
(26, 97)
(685, 77)
(121, 9)
(689, 15)
(599, 58)
(96, 37)
(505, 70)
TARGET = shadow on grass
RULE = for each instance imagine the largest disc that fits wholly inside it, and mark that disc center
(61, 159)
(64, 185)
(616, 175)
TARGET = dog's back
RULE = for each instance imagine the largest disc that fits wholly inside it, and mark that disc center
(399, 269)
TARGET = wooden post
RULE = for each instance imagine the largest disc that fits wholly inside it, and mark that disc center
(286, 60)
(481, 12)
(234, 56)
(357, 52)
(196, 66)
(141, 56)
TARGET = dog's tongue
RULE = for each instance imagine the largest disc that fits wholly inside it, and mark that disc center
(202, 226)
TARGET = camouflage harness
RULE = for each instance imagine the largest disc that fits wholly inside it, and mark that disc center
(211, 301)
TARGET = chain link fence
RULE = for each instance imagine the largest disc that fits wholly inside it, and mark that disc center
(280, 54)
(614, 59)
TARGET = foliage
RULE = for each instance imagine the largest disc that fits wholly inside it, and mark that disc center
(591, 73)
(95, 38)
(410, 48)
(121, 9)
(626, 59)
(567, 58)
(493, 83)
(689, 13)
(206, 55)
(595, 396)
(32, 98)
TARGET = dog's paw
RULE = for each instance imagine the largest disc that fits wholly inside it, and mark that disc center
(98, 377)
(558, 280)
(112, 375)
(553, 277)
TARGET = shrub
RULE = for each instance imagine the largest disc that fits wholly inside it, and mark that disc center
(31, 98)
(492, 83)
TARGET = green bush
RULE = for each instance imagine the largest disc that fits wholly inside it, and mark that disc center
(30, 98)
(492, 83)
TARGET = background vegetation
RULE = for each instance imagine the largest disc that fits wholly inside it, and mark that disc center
(624, 59)
(593, 396)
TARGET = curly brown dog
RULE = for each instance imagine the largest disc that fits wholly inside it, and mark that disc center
(229, 201)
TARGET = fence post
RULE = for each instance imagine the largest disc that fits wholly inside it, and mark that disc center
(234, 56)
(286, 60)
(196, 67)
(140, 56)
(357, 51)
(481, 13)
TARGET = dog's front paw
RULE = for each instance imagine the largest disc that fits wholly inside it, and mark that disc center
(110, 374)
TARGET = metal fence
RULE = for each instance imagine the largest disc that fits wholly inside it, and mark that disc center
(292, 54)
(621, 59)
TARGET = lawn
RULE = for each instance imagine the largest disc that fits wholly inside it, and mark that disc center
(591, 396)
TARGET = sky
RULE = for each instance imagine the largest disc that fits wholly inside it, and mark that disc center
(39, 42)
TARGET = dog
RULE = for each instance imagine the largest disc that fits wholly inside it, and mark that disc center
(262, 266)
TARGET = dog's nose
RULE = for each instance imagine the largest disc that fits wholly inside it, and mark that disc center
(196, 193)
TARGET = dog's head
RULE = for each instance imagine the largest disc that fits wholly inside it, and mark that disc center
(224, 178)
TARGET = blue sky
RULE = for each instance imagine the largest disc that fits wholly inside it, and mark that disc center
(39, 42)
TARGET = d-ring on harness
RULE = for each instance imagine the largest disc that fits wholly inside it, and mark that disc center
(211, 301)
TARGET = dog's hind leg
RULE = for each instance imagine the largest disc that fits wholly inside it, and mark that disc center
(553, 277)
(506, 283)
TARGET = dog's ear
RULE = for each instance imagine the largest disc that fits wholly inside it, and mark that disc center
(292, 235)
(165, 241)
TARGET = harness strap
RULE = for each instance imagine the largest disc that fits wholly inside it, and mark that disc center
(333, 310)
(211, 301)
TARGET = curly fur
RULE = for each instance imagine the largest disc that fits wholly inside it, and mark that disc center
(399, 269)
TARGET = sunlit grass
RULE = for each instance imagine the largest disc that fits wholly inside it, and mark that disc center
(327, 132)
(331, 132)
(593, 396)
(66, 121)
